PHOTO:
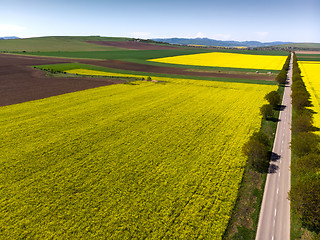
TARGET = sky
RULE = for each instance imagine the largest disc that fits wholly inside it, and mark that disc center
(246, 20)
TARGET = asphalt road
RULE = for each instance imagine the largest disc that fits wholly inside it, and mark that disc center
(274, 220)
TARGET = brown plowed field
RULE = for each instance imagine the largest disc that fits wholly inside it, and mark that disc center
(132, 45)
(20, 83)
(307, 52)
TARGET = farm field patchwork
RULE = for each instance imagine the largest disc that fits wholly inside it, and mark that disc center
(309, 57)
(136, 71)
(310, 72)
(140, 160)
(84, 71)
(228, 60)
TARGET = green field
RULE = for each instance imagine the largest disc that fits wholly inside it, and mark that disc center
(120, 55)
(140, 160)
(313, 46)
(57, 44)
(309, 57)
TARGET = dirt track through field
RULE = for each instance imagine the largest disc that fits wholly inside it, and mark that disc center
(20, 83)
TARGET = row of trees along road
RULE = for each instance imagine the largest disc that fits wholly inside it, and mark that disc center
(282, 76)
(257, 149)
(305, 190)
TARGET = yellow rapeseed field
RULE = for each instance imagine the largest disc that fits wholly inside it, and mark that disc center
(143, 161)
(82, 71)
(310, 72)
(228, 60)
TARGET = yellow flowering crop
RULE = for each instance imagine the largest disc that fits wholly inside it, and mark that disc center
(310, 72)
(228, 60)
(102, 73)
(152, 161)
(88, 72)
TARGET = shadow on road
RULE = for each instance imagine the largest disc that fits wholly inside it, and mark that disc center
(273, 168)
(280, 107)
(275, 157)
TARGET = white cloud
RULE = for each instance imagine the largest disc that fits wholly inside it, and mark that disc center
(9, 29)
(143, 35)
(221, 37)
(200, 35)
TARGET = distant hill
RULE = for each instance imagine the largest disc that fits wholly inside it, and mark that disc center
(220, 43)
(11, 37)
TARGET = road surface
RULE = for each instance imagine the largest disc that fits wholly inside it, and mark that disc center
(274, 220)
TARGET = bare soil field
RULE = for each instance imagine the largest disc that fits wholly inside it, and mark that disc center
(307, 52)
(20, 83)
(132, 45)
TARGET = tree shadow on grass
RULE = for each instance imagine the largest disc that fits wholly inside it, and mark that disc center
(315, 129)
(273, 119)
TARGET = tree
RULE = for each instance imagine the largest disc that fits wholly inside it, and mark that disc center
(305, 200)
(300, 100)
(257, 154)
(298, 86)
(273, 98)
(256, 149)
(302, 123)
(266, 111)
(304, 143)
(261, 137)
(306, 164)
(282, 77)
